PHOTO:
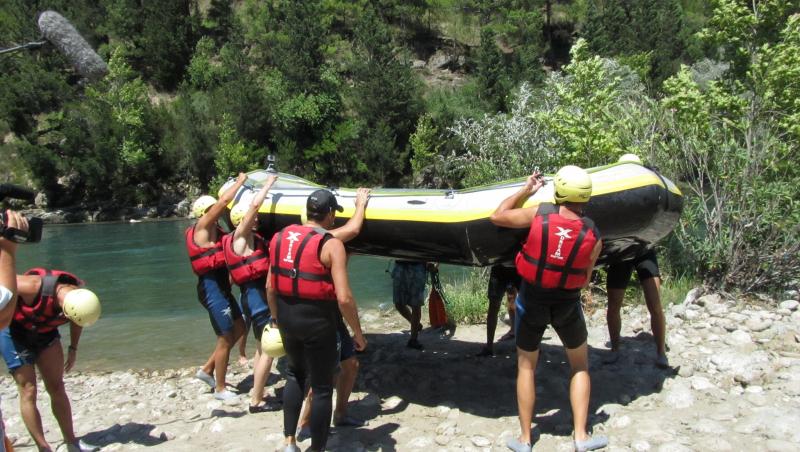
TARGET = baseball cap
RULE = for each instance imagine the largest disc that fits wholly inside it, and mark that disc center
(322, 201)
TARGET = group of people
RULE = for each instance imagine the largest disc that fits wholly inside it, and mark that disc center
(32, 307)
(295, 281)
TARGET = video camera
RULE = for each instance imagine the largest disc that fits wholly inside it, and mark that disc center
(34, 233)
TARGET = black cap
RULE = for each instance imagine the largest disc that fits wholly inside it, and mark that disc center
(322, 201)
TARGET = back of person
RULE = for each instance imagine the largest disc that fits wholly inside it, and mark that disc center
(297, 271)
(555, 258)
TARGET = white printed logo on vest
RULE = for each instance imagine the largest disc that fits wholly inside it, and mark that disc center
(292, 237)
(561, 234)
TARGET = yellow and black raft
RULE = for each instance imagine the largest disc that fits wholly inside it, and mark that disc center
(632, 205)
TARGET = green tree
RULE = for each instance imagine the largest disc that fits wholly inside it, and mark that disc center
(159, 37)
(491, 72)
(386, 95)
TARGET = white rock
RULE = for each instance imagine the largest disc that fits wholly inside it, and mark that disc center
(686, 370)
(673, 447)
(739, 338)
(443, 440)
(758, 325)
(791, 305)
(701, 383)
(447, 428)
(620, 421)
(391, 403)
(692, 295)
(480, 441)
(679, 396)
(640, 445)
(776, 445)
(708, 426)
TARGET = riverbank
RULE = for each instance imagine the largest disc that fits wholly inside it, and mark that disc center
(735, 385)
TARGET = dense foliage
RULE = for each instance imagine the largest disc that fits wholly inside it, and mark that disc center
(428, 92)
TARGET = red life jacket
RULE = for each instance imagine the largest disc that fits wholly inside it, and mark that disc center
(246, 268)
(45, 314)
(558, 250)
(204, 260)
(296, 269)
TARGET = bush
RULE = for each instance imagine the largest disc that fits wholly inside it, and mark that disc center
(466, 297)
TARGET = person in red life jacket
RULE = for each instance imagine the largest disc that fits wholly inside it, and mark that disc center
(555, 263)
(307, 288)
(618, 277)
(204, 243)
(248, 264)
(8, 288)
(46, 300)
(348, 362)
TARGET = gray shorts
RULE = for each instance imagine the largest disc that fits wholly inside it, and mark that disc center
(408, 283)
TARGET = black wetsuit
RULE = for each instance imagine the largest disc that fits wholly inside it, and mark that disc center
(309, 333)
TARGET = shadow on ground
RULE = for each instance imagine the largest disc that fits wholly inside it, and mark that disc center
(448, 373)
(130, 433)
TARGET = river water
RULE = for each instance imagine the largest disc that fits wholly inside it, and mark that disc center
(151, 316)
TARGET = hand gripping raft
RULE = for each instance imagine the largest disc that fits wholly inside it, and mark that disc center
(632, 206)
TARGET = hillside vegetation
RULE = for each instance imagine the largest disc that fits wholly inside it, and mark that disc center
(429, 93)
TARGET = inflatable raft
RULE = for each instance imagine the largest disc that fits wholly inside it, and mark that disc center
(633, 206)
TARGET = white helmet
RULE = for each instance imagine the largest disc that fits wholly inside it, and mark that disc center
(82, 307)
(573, 184)
(272, 343)
(631, 158)
(202, 204)
(238, 212)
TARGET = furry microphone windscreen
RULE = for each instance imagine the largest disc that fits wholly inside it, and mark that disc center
(60, 32)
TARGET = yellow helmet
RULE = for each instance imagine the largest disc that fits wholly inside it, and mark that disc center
(272, 343)
(202, 204)
(238, 212)
(632, 158)
(573, 184)
(82, 307)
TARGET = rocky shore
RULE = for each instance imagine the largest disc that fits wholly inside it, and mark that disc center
(734, 385)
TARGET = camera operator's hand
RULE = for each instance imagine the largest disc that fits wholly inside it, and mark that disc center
(16, 221)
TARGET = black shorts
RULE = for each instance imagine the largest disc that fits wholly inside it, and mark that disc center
(619, 274)
(533, 317)
(500, 279)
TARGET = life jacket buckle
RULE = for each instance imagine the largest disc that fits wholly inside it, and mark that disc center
(293, 273)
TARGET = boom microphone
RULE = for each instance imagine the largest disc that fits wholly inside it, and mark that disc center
(16, 192)
(60, 32)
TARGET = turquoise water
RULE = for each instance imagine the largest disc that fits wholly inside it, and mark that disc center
(151, 316)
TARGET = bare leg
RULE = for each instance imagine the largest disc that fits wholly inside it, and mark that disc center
(243, 361)
(526, 391)
(651, 288)
(25, 377)
(208, 367)
(416, 321)
(51, 365)
(405, 311)
(613, 318)
(222, 353)
(263, 364)
(579, 389)
(344, 386)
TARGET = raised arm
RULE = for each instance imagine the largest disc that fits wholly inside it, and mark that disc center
(333, 251)
(352, 228)
(205, 229)
(510, 216)
(244, 231)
